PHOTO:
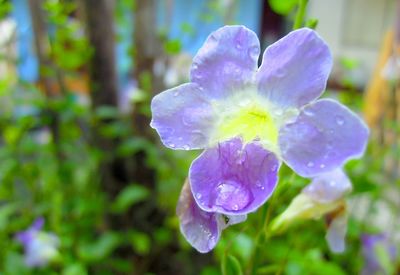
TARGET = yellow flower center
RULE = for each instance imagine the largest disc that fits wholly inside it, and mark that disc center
(249, 119)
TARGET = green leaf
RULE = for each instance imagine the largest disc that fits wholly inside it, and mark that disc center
(230, 265)
(75, 269)
(173, 46)
(106, 112)
(383, 257)
(131, 146)
(140, 242)
(5, 212)
(101, 249)
(283, 7)
(210, 270)
(312, 23)
(14, 264)
(131, 194)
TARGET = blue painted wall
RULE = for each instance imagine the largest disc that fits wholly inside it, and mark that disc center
(171, 18)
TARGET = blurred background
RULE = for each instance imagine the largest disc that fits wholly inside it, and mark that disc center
(76, 80)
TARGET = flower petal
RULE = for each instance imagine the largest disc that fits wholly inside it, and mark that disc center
(335, 236)
(227, 61)
(303, 207)
(183, 117)
(228, 220)
(372, 245)
(201, 229)
(323, 137)
(328, 187)
(295, 69)
(24, 237)
(233, 178)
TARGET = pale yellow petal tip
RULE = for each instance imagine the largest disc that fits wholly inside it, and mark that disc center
(302, 207)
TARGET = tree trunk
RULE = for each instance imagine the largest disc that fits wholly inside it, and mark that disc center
(100, 29)
(103, 80)
(42, 44)
(42, 47)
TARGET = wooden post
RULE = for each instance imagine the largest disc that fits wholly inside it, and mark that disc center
(103, 80)
(102, 71)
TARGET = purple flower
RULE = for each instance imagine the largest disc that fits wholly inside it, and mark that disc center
(201, 229)
(248, 120)
(370, 249)
(324, 196)
(40, 247)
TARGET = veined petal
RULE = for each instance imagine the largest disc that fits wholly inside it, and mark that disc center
(295, 69)
(183, 117)
(324, 136)
(328, 187)
(233, 178)
(227, 61)
(200, 229)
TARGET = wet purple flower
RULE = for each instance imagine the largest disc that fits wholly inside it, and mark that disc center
(248, 120)
(371, 244)
(40, 247)
(324, 196)
(201, 229)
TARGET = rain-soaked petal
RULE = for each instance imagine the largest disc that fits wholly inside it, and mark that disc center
(335, 236)
(201, 229)
(183, 117)
(233, 178)
(295, 69)
(324, 136)
(329, 186)
(227, 61)
(198, 227)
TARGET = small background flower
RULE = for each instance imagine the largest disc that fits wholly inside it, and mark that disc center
(40, 247)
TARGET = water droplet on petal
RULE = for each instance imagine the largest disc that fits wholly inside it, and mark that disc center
(186, 147)
(172, 145)
(308, 112)
(239, 45)
(339, 120)
(198, 196)
(274, 167)
(322, 166)
(232, 195)
(254, 52)
(176, 94)
(310, 164)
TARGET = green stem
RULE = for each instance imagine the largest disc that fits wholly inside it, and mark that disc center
(263, 235)
(300, 15)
